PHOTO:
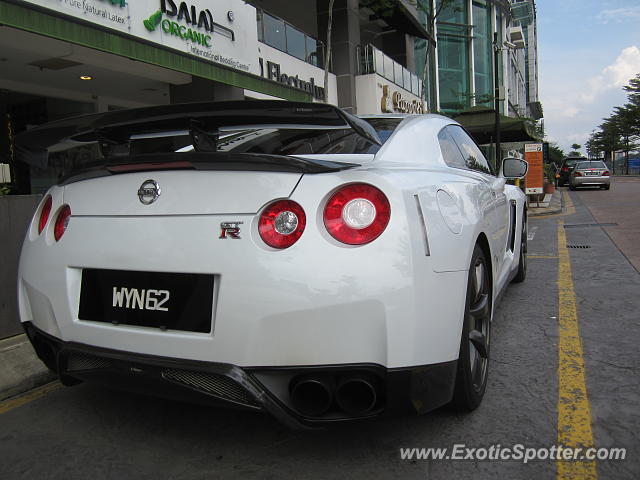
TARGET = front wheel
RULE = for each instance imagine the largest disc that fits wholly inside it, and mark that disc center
(473, 360)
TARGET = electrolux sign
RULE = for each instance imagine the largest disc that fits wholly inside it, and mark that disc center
(273, 72)
(223, 31)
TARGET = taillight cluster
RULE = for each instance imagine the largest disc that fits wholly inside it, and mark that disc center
(44, 214)
(355, 214)
(605, 173)
(281, 223)
(61, 221)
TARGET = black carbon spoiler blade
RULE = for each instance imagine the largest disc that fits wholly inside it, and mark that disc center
(33, 145)
(208, 161)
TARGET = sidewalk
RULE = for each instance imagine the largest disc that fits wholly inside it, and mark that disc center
(552, 203)
(21, 370)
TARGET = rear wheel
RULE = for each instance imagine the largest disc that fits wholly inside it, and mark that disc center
(571, 187)
(473, 361)
(607, 187)
(522, 261)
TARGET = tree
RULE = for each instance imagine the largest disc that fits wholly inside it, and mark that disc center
(621, 130)
(556, 154)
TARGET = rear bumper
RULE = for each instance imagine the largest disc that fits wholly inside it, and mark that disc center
(400, 391)
(589, 181)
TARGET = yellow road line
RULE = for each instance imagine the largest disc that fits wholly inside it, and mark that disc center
(30, 396)
(574, 412)
(571, 209)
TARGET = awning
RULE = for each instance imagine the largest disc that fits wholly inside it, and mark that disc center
(480, 123)
(400, 17)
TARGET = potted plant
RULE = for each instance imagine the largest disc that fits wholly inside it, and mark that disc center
(549, 178)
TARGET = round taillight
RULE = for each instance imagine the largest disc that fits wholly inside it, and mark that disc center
(44, 214)
(61, 222)
(281, 223)
(357, 214)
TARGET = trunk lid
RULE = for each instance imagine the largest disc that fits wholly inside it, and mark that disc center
(181, 192)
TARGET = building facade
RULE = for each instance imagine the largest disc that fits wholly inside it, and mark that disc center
(70, 57)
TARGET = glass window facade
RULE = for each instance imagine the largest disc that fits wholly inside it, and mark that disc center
(482, 53)
(273, 32)
(279, 34)
(453, 57)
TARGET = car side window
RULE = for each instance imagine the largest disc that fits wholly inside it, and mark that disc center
(473, 157)
(450, 151)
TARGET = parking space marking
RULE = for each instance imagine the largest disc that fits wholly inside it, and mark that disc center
(574, 411)
(10, 404)
(531, 233)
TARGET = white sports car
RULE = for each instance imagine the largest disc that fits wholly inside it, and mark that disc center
(275, 256)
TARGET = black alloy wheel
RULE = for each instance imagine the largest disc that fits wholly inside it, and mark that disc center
(473, 361)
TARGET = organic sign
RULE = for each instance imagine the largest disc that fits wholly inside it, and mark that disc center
(222, 31)
(535, 175)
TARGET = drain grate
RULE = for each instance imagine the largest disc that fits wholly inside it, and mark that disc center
(578, 246)
(586, 225)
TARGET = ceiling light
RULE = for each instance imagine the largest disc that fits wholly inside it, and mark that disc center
(86, 77)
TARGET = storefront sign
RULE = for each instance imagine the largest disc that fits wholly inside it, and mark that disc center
(273, 72)
(375, 94)
(396, 103)
(534, 180)
(223, 31)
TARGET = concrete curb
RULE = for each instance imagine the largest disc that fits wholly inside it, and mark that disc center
(21, 369)
(555, 206)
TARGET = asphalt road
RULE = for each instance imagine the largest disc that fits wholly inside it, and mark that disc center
(88, 432)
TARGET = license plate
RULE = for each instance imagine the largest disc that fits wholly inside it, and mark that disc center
(169, 301)
(592, 173)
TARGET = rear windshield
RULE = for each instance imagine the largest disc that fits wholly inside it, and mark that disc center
(67, 159)
(571, 162)
(591, 164)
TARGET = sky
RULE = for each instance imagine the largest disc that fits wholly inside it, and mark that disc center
(587, 51)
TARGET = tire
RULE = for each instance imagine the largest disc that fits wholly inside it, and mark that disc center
(473, 360)
(607, 187)
(522, 260)
(571, 187)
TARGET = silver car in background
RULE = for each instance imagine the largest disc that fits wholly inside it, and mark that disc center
(590, 173)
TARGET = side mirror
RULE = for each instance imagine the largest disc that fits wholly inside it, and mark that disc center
(514, 168)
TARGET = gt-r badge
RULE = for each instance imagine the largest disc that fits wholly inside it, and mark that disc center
(149, 192)
(230, 230)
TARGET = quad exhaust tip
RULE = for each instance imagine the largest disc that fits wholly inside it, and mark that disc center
(356, 395)
(315, 395)
(312, 395)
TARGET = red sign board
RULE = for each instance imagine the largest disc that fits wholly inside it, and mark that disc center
(535, 175)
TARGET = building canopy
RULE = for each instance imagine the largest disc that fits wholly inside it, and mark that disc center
(480, 123)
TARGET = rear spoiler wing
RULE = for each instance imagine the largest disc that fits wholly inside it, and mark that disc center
(199, 119)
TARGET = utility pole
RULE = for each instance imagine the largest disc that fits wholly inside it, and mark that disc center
(496, 93)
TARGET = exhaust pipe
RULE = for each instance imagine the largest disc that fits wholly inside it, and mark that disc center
(356, 395)
(312, 395)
